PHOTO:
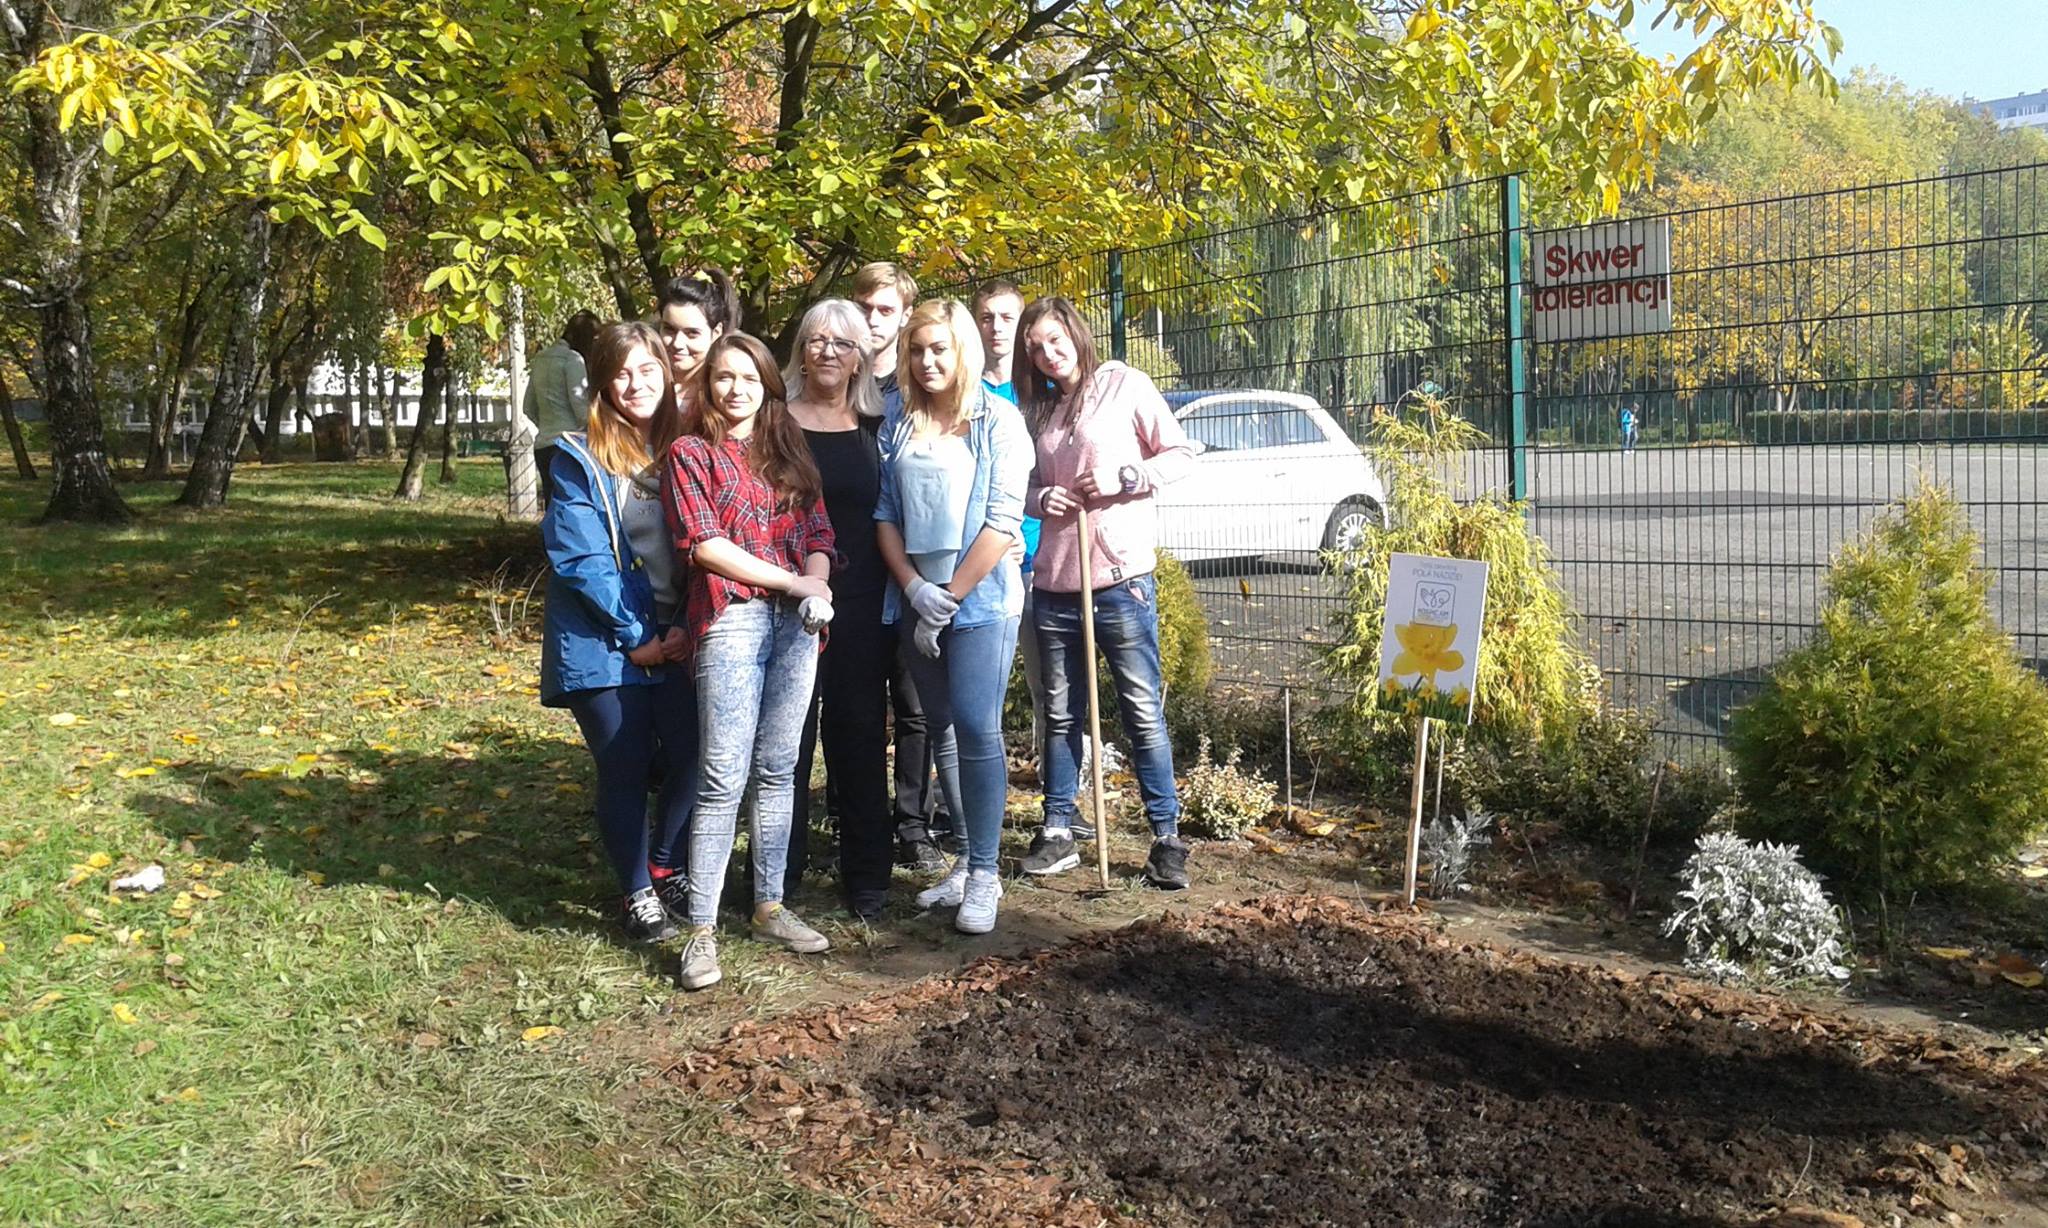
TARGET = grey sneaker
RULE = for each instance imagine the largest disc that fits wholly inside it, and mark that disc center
(978, 909)
(700, 960)
(1167, 866)
(1052, 852)
(948, 891)
(787, 928)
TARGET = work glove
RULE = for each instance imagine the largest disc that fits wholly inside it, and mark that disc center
(816, 613)
(926, 637)
(932, 602)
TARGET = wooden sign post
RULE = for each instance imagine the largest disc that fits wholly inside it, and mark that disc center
(1429, 659)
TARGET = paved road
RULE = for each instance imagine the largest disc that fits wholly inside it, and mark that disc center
(1694, 568)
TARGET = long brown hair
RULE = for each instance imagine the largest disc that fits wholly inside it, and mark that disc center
(777, 453)
(614, 438)
(1037, 395)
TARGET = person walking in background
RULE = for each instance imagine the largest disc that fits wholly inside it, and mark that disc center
(832, 396)
(696, 309)
(1628, 427)
(610, 644)
(1106, 440)
(558, 393)
(885, 293)
(745, 504)
(955, 463)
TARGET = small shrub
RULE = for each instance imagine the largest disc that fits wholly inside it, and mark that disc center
(1905, 746)
(1534, 682)
(1220, 801)
(1448, 845)
(1751, 911)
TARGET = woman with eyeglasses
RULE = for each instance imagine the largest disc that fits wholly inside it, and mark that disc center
(833, 397)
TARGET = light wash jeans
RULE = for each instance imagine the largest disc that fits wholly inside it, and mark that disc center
(1127, 633)
(963, 711)
(755, 669)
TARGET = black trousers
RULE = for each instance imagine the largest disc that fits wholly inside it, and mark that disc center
(849, 713)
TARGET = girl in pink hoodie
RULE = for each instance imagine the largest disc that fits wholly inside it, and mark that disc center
(1105, 441)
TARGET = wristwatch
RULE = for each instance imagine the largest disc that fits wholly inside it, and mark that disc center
(1127, 477)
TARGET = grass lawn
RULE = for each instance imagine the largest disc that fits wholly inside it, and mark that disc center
(381, 984)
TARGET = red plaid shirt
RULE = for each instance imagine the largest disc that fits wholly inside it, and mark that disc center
(711, 492)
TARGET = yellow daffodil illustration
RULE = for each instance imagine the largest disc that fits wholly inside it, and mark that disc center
(1426, 650)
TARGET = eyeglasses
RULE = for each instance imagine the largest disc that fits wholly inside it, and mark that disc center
(829, 345)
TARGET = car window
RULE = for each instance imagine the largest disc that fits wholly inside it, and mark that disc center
(1286, 424)
(1227, 426)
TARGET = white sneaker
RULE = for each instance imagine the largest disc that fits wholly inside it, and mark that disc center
(978, 906)
(948, 891)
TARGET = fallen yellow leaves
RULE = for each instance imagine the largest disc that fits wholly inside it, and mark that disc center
(1948, 953)
(542, 1032)
(122, 1013)
(205, 891)
(65, 720)
(79, 940)
(135, 772)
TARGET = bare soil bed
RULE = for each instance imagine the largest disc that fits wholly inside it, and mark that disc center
(1302, 1061)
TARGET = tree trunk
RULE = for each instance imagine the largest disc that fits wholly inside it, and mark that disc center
(227, 416)
(388, 381)
(82, 485)
(273, 412)
(448, 434)
(22, 464)
(522, 481)
(433, 377)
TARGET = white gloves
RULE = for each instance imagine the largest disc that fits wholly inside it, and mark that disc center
(926, 637)
(932, 602)
(816, 613)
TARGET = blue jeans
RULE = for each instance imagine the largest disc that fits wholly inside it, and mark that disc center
(625, 728)
(755, 669)
(963, 711)
(1127, 634)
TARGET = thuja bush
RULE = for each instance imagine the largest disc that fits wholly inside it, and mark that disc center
(1534, 682)
(1906, 745)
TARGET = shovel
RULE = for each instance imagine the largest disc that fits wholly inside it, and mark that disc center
(1094, 699)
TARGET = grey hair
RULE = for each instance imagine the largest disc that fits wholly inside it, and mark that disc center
(844, 318)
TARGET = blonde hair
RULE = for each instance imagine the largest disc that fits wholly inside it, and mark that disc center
(962, 400)
(615, 440)
(845, 319)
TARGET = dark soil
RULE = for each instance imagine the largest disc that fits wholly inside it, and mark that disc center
(1305, 1062)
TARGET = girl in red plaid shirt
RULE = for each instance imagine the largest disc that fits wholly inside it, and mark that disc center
(747, 508)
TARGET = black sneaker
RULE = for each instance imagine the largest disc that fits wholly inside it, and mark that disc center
(674, 893)
(1167, 866)
(950, 842)
(644, 919)
(1052, 852)
(920, 852)
(868, 904)
(1082, 829)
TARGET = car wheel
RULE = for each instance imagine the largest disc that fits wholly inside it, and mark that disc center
(1349, 524)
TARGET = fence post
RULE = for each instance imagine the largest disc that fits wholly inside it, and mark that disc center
(1119, 329)
(1514, 336)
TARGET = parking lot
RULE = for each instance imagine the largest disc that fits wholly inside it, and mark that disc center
(1693, 568)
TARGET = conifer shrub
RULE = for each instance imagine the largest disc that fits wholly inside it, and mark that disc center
(1534, 682)
(1906, 745)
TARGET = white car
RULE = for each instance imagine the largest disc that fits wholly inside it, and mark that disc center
(1275, 475)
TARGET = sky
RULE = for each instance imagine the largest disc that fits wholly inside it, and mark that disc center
(1983, 48)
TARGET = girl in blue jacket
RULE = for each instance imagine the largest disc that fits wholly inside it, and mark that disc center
(611, 625)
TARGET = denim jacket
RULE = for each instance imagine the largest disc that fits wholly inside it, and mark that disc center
(1002, 468)
(599, 605)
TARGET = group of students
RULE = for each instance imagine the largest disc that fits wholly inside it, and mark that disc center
(747, 557)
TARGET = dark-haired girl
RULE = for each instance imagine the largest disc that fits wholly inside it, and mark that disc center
(1105, 441)
(696, 309)
(745, 505)
(609, 633)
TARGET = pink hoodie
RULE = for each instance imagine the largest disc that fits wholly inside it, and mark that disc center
(1123, 421)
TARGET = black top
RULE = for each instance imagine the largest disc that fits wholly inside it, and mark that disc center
(850, 464)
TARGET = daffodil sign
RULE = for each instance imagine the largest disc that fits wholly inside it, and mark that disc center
(1429, 648)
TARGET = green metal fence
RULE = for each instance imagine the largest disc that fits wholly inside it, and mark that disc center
(1821, 352)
